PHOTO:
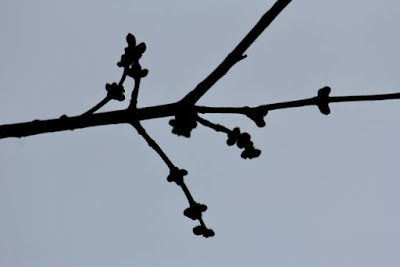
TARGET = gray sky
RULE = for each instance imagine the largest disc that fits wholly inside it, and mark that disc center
(323, 193)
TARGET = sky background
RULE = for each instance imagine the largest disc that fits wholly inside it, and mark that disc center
(324, 191)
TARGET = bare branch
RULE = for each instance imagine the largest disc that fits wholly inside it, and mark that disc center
(78, 122)
(97, 106)
(195, 209)
(126, 116)
(108, 97)
(139, 128)
(216, 127)
(296, 103)
(237, 54)
(135, 93)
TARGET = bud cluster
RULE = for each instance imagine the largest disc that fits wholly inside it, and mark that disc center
(243, 141)
(204, 231)
(115, 91)
(130, 62)
(176, 175)
(184, 122)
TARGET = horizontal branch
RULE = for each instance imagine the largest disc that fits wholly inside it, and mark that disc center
(296, 103)
(78, 122)
(130, 115)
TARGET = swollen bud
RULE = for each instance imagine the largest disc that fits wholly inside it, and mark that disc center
(323, 100)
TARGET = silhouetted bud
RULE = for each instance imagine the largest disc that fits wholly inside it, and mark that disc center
(250, 153)
(231, 140)
(257, 115)
(184, 122)
(198, 230)
(124, 62)
(208, 233)
(135, 71)
(243, 140)
(141, 48)
(232, 136)
(323, 100)
(202, 207)
(130, 39)
(176, 175)
(194, 211)
(115, 91)
(144, 73)
(132, 53)
(201, 230)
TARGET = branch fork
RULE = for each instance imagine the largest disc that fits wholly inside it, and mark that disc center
(185, 112)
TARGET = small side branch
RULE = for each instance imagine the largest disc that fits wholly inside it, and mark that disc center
(98, 106)
(135, 93)
(216, 127)
(153, 144)
(173, 169)
(110, 95)
(176, 175)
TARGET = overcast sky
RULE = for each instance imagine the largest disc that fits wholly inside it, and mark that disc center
(324, 191)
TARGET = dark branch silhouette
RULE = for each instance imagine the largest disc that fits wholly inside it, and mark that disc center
(237, 54)
(185, 112)
(125, 116)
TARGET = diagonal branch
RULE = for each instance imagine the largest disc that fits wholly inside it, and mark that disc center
(193, 211)
(107, 98)
(216, 127)
(237, 54)
(153, 144)
(97, 106)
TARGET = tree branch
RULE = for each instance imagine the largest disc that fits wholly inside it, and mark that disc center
(135, 93)
(126, 116)
(153, 144)
(97, 106)
(78, 122)
(216, 127)
(185, 111)
(237, 54)
(195, 209)
(296, 103)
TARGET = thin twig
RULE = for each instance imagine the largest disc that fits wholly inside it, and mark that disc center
(216, 127)
(237, 53)
(106, 99)
(97, 107)
(153, 144)
(296, 103)
(135, 93)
